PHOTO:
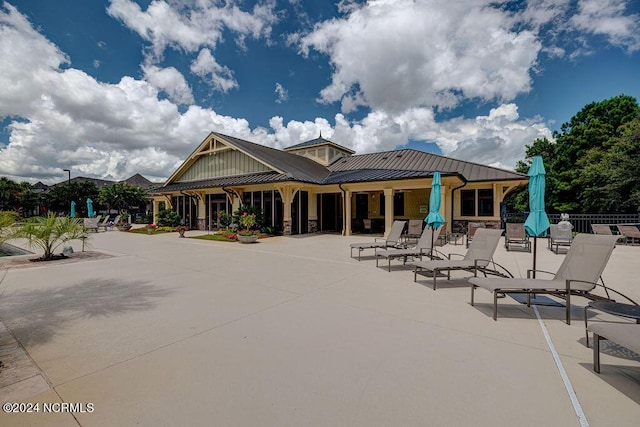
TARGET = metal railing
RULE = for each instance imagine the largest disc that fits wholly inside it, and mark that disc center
(581, 222)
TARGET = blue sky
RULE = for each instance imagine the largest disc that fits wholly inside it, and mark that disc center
(112, 88)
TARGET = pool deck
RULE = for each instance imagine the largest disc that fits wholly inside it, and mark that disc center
(291, 331)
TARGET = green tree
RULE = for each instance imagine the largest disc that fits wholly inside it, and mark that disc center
(8, 194)
(48, 233)
(596, 127)
(60, 196)
(581, 162)
(610, 180)
(121, 196)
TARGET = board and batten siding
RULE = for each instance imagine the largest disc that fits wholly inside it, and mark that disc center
(225, 163)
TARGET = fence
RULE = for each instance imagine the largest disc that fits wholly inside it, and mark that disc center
(581, 222)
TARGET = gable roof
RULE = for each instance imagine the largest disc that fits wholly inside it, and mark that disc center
(414, 160)
(387, 165)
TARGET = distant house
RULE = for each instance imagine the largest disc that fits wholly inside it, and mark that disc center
(319, 185)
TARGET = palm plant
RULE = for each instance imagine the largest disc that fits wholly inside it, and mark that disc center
(48, 233)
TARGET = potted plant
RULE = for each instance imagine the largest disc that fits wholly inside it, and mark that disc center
(123, 224)
(247, 221)
(181, 229)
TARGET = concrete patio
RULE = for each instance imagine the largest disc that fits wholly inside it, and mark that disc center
(291, 331)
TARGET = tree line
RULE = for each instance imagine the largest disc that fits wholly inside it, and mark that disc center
(593, 162)
(28, 200)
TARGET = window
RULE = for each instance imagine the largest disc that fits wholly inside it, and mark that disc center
(398, 204)
(468, 199)
(484, 205)
(485, 202)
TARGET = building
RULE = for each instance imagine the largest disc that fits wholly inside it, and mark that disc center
(319, 185)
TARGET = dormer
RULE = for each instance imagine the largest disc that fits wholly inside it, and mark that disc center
(320, 150)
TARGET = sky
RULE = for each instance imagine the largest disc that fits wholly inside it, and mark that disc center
(112, 88)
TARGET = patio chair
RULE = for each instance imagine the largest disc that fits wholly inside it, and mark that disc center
(90, 224)
(392, 239)
(443, 237)
(104, 224)
(366, 225)
(114, 222)
(630, 233)
(479, 257)
(605, 229)
(559, 236)
(625, 334)
(414, 229)
(577, 275)
(471, 230)
(422, 247)
(515, 234)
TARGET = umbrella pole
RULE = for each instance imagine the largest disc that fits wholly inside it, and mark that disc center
(535, 249)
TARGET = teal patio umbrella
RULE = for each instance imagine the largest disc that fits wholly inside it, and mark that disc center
(89, 208)
(73, 209)
(434, 219)
(537, 222)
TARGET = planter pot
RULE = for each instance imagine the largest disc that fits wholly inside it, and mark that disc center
(124, 227)
(252, 238)
(181, 233)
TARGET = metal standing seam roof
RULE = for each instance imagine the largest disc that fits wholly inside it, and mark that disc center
(388, 165)
(318, 141)
(414, 160)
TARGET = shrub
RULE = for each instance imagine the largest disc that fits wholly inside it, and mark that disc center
(168, 218)
(48, 233)
(245, 211)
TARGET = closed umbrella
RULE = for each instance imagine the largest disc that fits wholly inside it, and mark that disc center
(89, 208)
(537, 222)
(73, 209)
(434, 219)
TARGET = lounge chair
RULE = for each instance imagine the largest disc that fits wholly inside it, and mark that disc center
(515, 234)
(414, 229)
(559, 236)
(104, 224)
(471, 230)
(443, 237)
(90, 224)
(114, 222)
(478, 258)
(392, 239)
(630, 233)
(601, 229)
(605, 230)
(577, 275)
(624, 334)
(423, 247)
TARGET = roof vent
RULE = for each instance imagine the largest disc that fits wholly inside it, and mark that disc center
(398, 155)
(385, 158)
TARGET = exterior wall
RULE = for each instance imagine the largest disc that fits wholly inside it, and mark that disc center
(223, 163)
(500, 190)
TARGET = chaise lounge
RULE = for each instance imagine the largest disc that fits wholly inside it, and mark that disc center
(479, 258)
(624, 334)
(577, 275)
(423, 247)
(392, 239)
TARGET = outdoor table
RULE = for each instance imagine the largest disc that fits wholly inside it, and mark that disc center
(629, 311)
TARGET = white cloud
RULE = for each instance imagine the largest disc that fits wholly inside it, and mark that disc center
(609, 18)
(206, 67)
(169, 80)
(281, 94)
(190, 26)
(395, 54)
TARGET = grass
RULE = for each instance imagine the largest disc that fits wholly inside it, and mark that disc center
(217, 237)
